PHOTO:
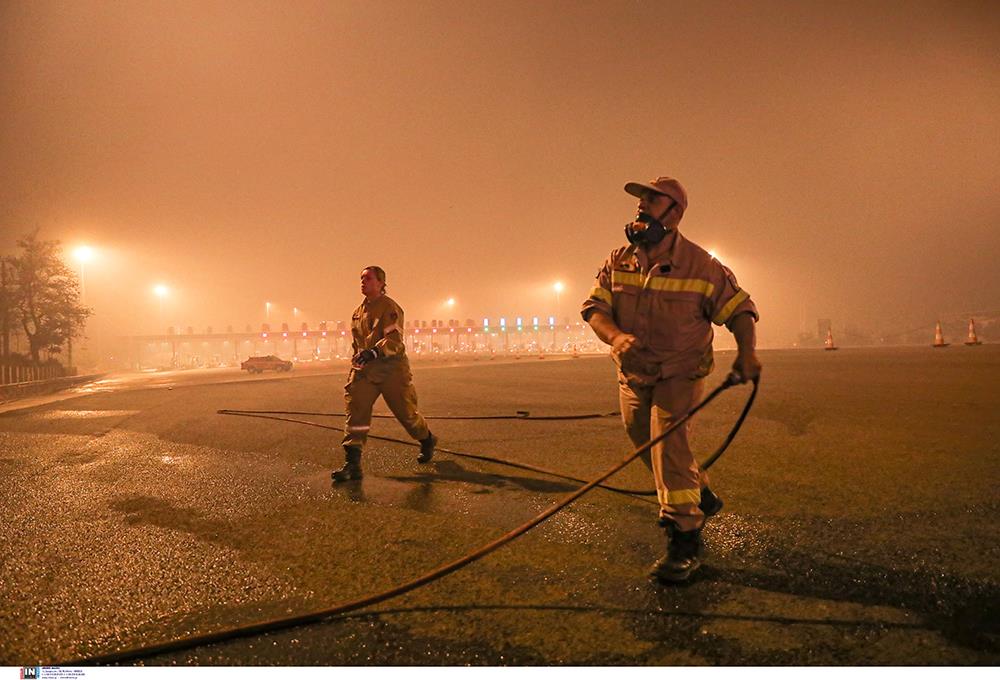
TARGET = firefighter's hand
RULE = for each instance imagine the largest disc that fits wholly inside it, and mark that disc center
(624, 343)
(747, 366)
(364, 356)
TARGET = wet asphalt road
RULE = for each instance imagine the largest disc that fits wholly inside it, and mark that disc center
(860, 526)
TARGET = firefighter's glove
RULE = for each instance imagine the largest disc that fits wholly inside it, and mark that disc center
(364, 356)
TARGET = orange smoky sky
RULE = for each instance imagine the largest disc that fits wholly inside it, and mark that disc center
(840, 157)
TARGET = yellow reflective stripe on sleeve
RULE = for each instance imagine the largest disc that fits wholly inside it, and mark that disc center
(727, 309)
(602, 294)
(626, 278)
(680, 497)
(702, 286)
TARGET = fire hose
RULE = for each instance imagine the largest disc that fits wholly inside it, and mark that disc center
(192, 641)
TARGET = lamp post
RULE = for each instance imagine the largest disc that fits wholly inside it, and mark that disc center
(452, 340)
(161, 291)
(83, 255)
(558, 288)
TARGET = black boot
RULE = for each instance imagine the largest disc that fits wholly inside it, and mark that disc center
(427, 448)
(682, 558)
(352, 466)
(710, 503)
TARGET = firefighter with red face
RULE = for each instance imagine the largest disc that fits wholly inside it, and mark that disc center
(654, 301)
(379, 367)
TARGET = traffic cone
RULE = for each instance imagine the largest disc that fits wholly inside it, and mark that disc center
(828, 343)
(973, 340)
(576, 354)
(541, 353)
(939, 336)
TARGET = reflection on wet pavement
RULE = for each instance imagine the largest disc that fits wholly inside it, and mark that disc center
(180, 521)
(57, 415)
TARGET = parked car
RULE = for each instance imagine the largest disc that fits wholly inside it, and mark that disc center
(261, 364)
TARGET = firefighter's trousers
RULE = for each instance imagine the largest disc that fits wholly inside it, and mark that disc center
(648, 410)
(393, 380)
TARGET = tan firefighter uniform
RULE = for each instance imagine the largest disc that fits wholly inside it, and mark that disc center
(670, 307)
(378, 324)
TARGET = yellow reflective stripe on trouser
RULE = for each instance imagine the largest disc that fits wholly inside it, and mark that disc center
(682, 285)
(727, 310)
(681, 497)
(602, 294)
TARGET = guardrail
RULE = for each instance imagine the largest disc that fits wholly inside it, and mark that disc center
(20, 390)
(20, 374)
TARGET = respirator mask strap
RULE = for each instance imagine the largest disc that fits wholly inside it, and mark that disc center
(654, 231)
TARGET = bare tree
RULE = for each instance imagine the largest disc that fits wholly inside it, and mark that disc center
(6, 309)
(46, 296)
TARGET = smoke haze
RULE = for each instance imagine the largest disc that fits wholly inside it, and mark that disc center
(840, 158)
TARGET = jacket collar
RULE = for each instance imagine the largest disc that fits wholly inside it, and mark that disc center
(663, 254)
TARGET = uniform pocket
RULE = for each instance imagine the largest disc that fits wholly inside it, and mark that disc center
(678, 324)
(350, 378)
(625, 301)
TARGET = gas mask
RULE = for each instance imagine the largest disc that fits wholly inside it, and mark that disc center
(646, 230)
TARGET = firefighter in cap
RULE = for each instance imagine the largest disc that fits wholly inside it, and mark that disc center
(379, 366)
(654, 301)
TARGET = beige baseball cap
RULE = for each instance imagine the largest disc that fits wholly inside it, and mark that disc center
(667, 186)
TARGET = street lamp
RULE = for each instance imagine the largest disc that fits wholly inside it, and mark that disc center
(267, 312)
(161, 291)
(83, 255)
(558, 288)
